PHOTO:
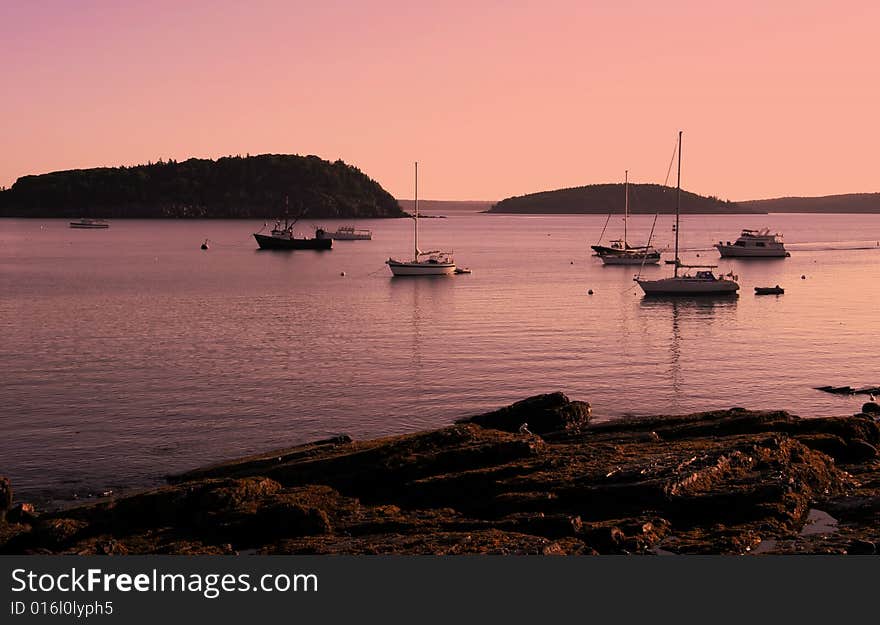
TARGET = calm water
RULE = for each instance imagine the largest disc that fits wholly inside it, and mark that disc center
(130, 353)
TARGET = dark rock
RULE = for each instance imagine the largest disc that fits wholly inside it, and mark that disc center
(862, 547)
(713, 482)
(540, 524)
(848, 428)
(604, 538)
(837, 390)
(714, 423)
(255, 464)
(290, 519)
(22, 513)
(871, 407)
(854, 450)
(543, 413)
(487, 541)
(228, 495)
(860, 451)
(829, 444)
(56, 533)
(13, 538)
(5, 496)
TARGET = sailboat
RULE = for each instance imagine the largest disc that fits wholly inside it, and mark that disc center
(620, 252)
(702, 282)
(433, 263)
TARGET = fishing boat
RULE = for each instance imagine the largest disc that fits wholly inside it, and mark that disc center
(433, 263)
(754, 244)
(90, 224)
(620, 252)
(350, 233)
(282, 237)
(683, 283)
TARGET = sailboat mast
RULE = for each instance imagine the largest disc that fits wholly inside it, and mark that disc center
(677, 204)
(625, 205)
(416, 219)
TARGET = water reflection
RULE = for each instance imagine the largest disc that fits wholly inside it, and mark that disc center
(423, 303)
(688, 318)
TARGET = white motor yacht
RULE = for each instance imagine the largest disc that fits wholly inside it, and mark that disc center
(754, 244)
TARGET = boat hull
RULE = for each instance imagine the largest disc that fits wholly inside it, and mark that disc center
(631, 259)
(267, 242)
(349, 235)
(688, 287)
(399, 268)
(736, 251)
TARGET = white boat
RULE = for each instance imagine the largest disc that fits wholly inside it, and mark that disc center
(433, 263)
(350, 233)
(754, 244)
(620, 252)
(703, 282)
(91, 224)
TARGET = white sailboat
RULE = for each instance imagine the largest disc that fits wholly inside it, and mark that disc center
(620, 252)
(433, 263)
(703, 282)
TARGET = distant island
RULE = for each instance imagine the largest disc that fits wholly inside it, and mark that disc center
(434, 208)
(649, 198)
(608, 198)
(253, 187)
(846, 203)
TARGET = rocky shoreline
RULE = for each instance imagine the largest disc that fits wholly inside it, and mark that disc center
(537, 477)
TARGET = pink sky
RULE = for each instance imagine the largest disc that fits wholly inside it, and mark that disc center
(492, 98)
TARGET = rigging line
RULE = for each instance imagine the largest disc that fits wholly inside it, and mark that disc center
(607, 219)
(628, 289)
(669, 169)
(648, 244)
(373, 273)
(226, 244)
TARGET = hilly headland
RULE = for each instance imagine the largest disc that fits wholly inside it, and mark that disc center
(252, 187)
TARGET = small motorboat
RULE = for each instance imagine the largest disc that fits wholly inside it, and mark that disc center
(90, 224)
(769, 290)
(350, 233)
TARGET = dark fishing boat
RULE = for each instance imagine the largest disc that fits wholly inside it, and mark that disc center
(282, 237)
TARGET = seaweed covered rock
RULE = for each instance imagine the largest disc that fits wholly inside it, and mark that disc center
(540, 414)
(725, 481)
(5, 496)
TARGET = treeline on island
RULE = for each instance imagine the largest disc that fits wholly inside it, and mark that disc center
(845, 203)
(231, 187)
(608, 198)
